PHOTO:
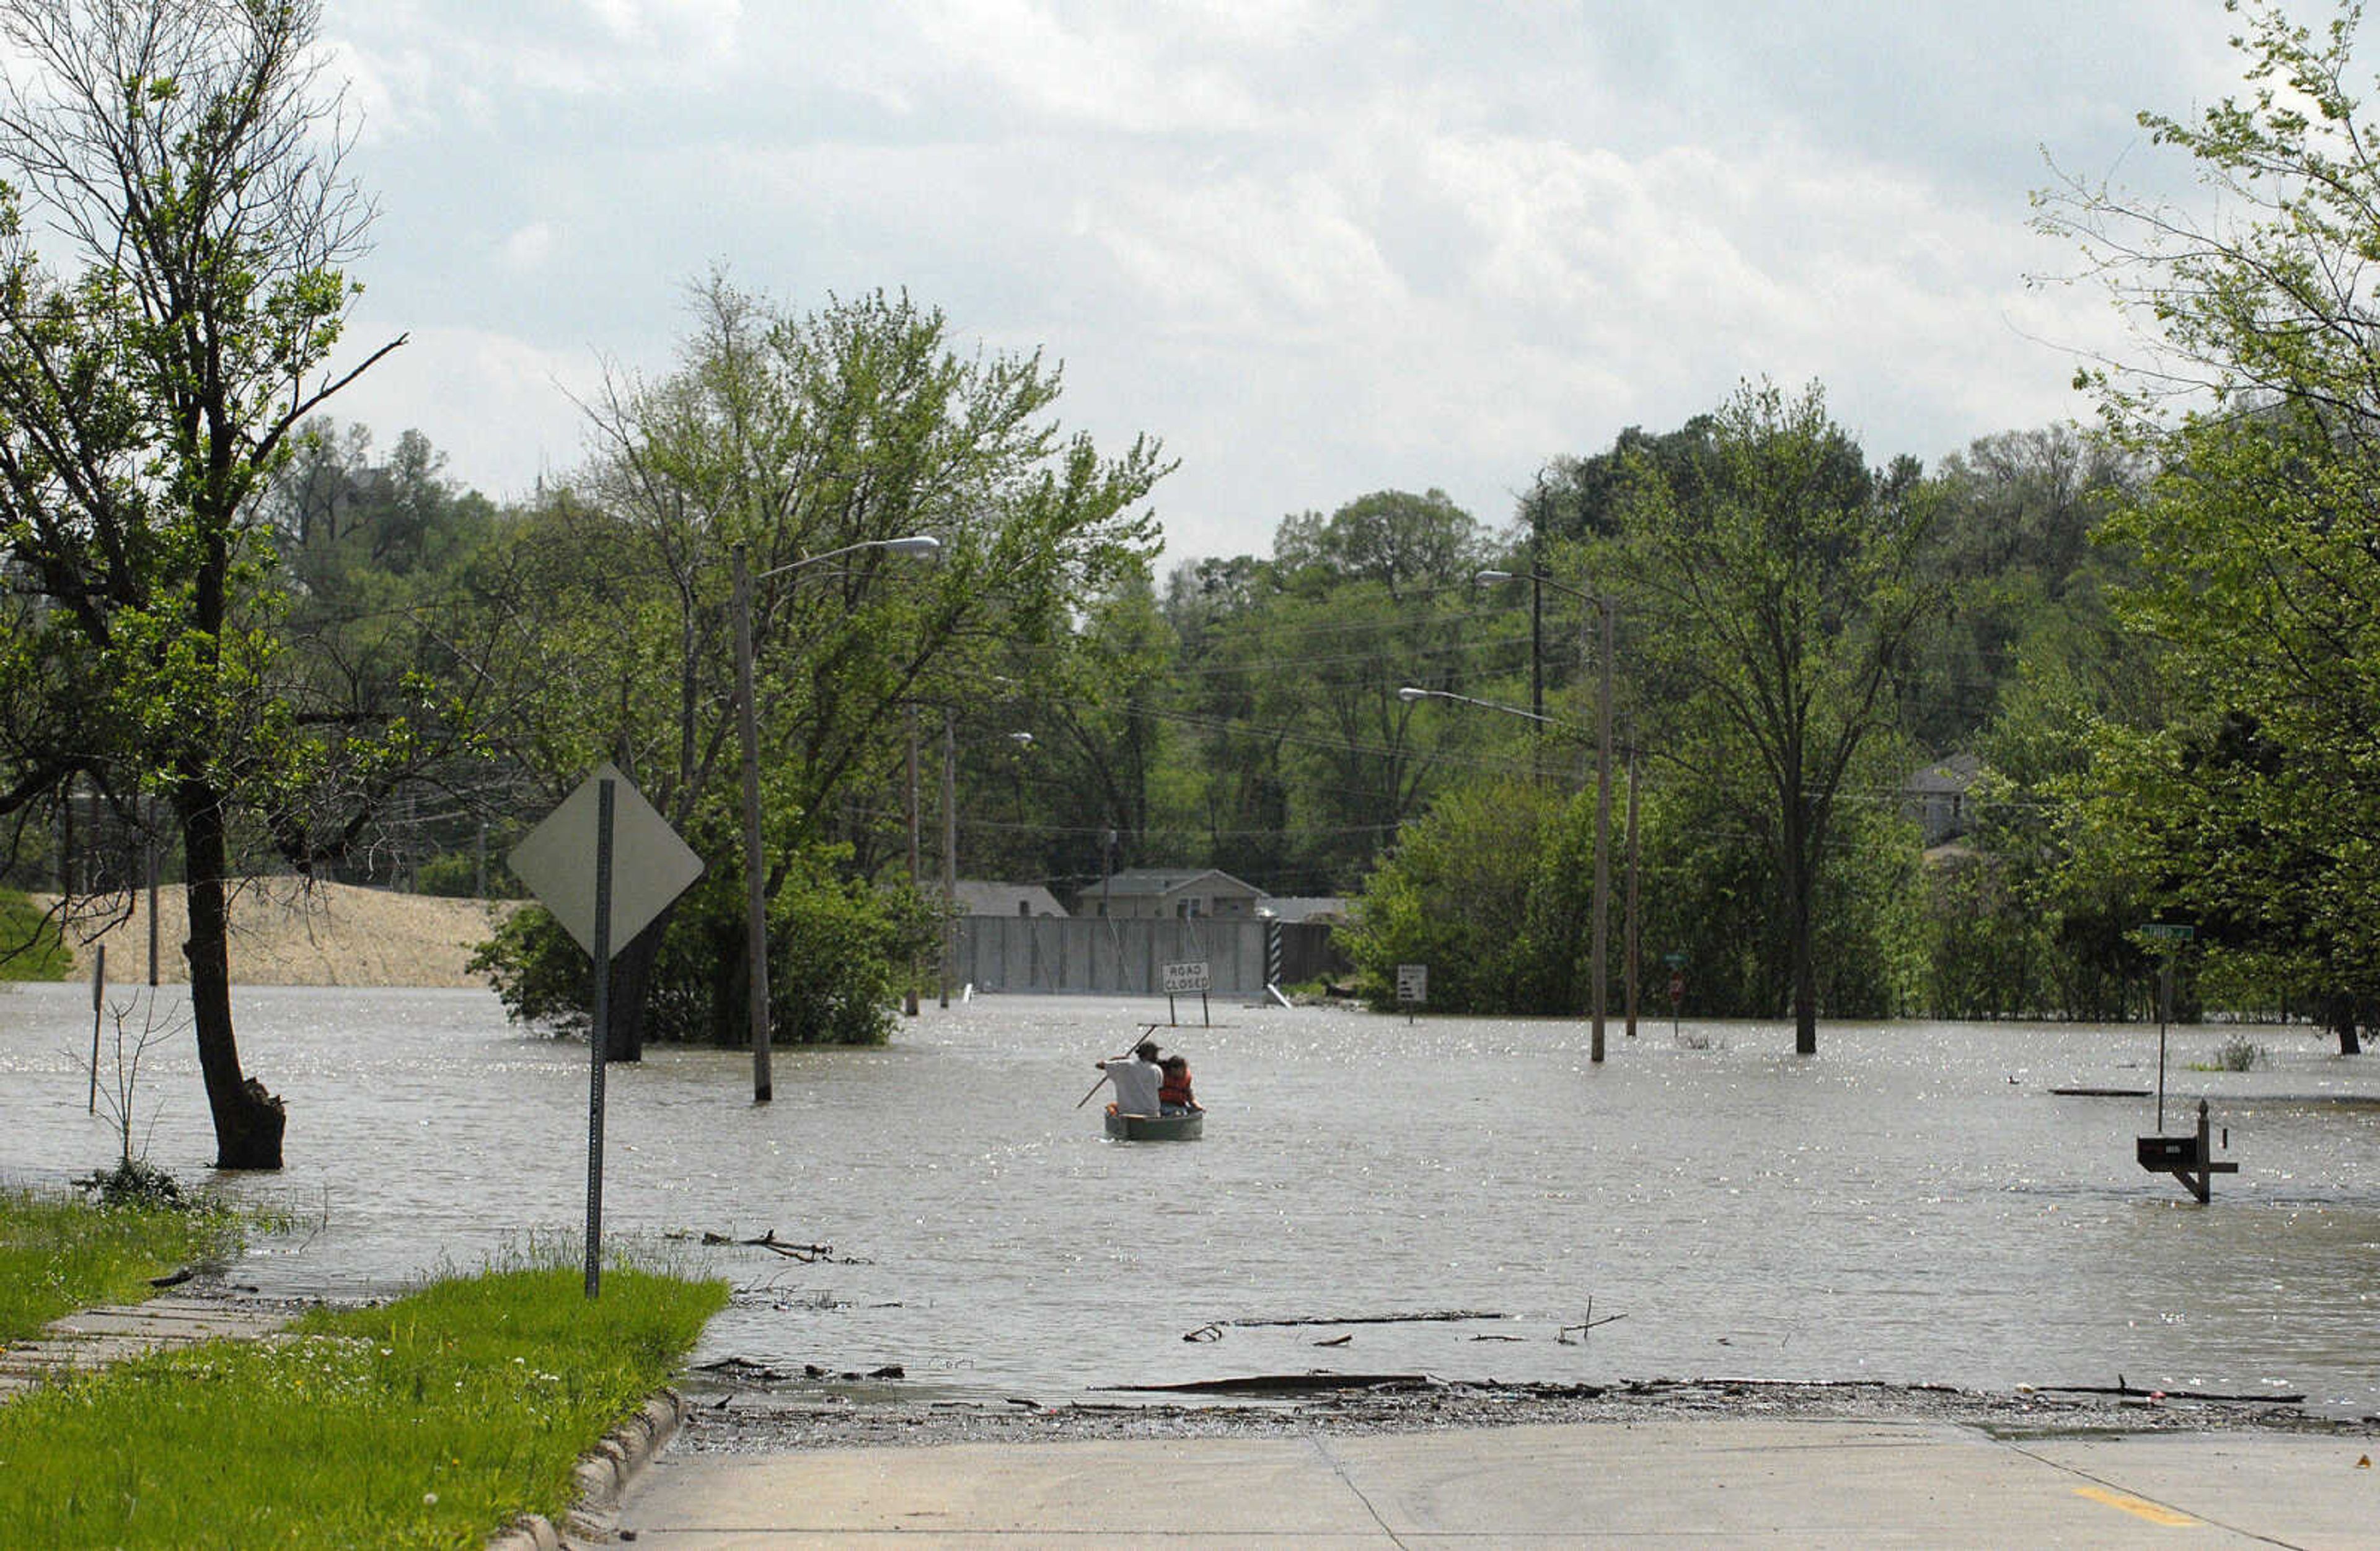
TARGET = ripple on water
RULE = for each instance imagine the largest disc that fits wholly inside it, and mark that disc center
(1912, 1204)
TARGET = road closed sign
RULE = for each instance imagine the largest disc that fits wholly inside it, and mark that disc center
(1184, 978)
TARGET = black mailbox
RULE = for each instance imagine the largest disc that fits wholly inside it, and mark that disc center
(2169, 1153)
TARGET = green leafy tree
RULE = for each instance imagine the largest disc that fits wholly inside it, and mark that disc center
(182, 164)
(2251, 806)
(1489, 891)
(793, 436)
(1775, 600)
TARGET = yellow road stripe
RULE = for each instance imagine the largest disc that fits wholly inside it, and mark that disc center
(2138, 1508)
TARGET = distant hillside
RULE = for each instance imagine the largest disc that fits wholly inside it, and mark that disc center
(332, 934)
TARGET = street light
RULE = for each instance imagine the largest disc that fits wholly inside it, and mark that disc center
(755, 904)
(1603, 610)
(1412, 692)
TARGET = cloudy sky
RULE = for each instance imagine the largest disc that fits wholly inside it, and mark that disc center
(1319, 248)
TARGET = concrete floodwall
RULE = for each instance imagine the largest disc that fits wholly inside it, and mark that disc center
(1044, 954)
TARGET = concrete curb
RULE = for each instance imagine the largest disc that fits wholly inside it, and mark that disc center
(602, 1475)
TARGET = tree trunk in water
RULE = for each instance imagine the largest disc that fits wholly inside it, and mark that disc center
(632, 986)
(248, 1120)
(2343, 1013)
(1800, 885)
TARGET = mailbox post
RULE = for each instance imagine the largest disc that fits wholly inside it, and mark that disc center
(2188, 1158)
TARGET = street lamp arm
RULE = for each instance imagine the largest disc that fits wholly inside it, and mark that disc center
(913, 543)
(1594, 599)
(1411, 693)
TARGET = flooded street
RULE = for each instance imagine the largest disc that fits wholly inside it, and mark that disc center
(1913, 1205)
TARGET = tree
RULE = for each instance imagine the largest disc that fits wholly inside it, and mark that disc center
(181, 155)
(1774, 600)
(1489, 891)
(2256, 395)
(796, 435)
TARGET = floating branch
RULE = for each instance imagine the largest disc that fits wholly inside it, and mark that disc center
(1445, 1316)
(809, 1254)
(2120, 1388)
(1565, 1335)
(1284, 1384)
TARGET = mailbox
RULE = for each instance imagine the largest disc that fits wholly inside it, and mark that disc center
(2168, 1153)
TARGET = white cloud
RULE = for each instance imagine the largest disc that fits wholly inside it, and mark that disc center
(1319, 248)
(503, 409)
(527, 248)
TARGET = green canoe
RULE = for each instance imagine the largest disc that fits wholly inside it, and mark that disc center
(1157, 1128)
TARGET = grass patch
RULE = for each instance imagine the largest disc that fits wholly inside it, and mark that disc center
(2238, 1053)
(30, 948)
(431, 1421)
(59, 1254)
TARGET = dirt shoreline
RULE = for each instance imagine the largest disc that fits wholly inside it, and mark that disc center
(738, 1420)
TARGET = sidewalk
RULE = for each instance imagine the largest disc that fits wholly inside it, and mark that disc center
(1673, 1484)
(95, 1338)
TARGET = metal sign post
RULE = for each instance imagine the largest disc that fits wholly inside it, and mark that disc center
(2171, 934)
(98, 999)
(639, 867)
(605, 801)
(1412, 986)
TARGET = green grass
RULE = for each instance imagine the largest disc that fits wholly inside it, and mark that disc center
(59, 1254)
(431, 1421)
(30, 946)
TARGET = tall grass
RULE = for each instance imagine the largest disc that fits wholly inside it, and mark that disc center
(431, 1421)
(59, 1254)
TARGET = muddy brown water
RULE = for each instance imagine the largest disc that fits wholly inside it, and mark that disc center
(1913, 1205)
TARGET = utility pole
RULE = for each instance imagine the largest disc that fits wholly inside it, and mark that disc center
(1628, 953)
(909, 997)
(950, 848)
(1600, 971)
(756, 893)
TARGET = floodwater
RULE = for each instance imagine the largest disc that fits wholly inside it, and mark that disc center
(1913, 1205)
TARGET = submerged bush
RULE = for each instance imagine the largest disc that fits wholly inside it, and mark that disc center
(136, 1181)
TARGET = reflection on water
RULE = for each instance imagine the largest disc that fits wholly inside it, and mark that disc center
(1912, 1204)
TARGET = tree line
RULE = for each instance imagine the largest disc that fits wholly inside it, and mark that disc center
(237, 633)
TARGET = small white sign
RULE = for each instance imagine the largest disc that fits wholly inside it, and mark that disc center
(1413, 982)
(1181, 978)
(650, 866)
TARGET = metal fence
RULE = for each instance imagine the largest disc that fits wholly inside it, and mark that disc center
(1048, 954)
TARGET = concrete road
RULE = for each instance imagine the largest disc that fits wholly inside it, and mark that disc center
(1697, 1484)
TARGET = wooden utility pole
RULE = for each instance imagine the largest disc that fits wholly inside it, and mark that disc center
(755, 889)
(1628, 954)
(1599, 970)
(950, 848)
(909, 997)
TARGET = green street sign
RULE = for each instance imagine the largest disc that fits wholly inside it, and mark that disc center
(2172, 931)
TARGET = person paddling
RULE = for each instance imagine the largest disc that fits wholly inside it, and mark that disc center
(1136, 1078)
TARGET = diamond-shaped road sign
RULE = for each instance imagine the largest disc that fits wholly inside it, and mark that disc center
(650, 866)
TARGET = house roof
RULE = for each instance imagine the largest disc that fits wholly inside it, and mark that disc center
(1162, 882)
(1950, 776)
(976, 897)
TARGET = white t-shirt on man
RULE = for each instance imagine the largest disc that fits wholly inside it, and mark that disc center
(1136, 1082)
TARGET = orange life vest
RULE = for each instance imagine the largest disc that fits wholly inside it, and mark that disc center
(1175, 1090)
